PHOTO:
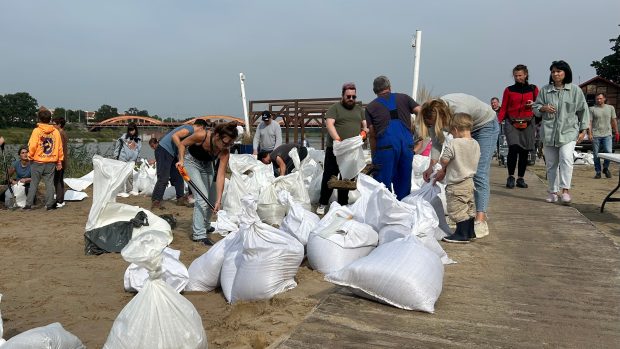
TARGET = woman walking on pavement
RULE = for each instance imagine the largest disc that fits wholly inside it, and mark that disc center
(519, 127)
(436, 118)
(204, 148)
(565, 120)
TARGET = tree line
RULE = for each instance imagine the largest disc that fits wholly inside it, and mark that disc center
(20, 110)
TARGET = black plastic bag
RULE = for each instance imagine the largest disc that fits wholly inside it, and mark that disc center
(112, 237)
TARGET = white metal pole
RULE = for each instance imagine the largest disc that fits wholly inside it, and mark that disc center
(417, 42)
(245, 103)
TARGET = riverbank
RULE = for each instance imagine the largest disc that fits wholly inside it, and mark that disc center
(19, 135)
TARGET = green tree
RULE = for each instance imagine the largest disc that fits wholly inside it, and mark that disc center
(18, 109)
(609, 66)
(60, 112)
(143, 113)
(105, 112)
(132, 111)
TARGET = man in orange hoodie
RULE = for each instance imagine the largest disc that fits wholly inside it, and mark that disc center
(46, 152)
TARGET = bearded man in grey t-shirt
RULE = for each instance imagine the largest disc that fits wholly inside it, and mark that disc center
(602, 123)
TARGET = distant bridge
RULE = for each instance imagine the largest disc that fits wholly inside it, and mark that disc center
(145, 121)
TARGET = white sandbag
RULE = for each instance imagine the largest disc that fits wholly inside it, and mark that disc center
(158, 316)
(109, 177)
(268, 208)
(419, 165)
(52, 336)
(174, 273)
(381, 275)
(429, 192)
(269, 261)
(116, 212)
(312, 173)
(249, 176)
(350, 156)
(20, 195)
(316, 155)
(204, 272)
(170, 193)
(234, 248)
(298, 222)
(79, 184)
(146, 179)
(377, 206)
(338, 241)
(390, 233)
(72, 195)
(225, 223)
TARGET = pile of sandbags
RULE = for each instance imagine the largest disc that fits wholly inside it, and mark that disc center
(256, 262)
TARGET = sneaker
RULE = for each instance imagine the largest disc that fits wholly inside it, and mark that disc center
(60, 204)
(510, 182)
(157, 204)
(521, 183)
(190, 199)
(321, 209)
(566, 198)
(481, 229)
(210, 230)
(597, 175)
(27, 208)
(607, 173)
(456, 239)
(122, 195)
(53, 207)
(552, 197)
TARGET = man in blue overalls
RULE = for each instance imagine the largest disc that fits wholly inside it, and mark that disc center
(391, 136)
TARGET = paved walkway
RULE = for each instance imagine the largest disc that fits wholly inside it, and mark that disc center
(545, 277)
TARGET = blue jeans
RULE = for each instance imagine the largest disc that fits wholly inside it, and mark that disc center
(202, 175)
(166, 171)
(486, 136)
(601, 145)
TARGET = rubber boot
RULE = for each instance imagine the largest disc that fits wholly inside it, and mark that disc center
(461, 234)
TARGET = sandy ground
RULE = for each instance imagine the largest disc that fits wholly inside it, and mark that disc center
(45, 276)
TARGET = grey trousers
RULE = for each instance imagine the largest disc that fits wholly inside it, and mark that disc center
(42, 172)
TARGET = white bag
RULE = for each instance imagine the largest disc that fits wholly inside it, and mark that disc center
(338, 241)
(312, 173)
(269, 260)
(381, 275)
(390, 233)
(158, 316)
(147, 178)
(20, 195)
(204, 272)
(72, 195)
(430, 192)
(298, 222)
(174, 273)
(350, 156)
(79, 184)
(224, 223)
(52, 336)
(268, 207)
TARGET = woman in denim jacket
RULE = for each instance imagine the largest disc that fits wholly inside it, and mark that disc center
(565, 118)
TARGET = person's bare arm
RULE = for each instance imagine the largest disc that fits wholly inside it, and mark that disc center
(330, 124)
(281, 165)
(196, 137)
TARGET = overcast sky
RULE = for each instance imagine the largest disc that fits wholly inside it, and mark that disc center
(183, 58)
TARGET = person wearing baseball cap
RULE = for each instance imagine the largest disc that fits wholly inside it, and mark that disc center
(268, 134)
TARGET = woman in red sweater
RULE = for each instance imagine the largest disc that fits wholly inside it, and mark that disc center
(519, 126)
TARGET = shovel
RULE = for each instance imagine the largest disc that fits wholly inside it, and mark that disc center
(191, 183)
(13, 204)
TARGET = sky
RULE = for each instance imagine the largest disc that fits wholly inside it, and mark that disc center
(183, 58)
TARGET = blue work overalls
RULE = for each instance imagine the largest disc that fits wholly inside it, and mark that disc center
(394, 152)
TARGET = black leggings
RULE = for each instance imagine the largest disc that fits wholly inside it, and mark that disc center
(515, 151)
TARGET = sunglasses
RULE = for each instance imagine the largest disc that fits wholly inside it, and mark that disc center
(351, 97)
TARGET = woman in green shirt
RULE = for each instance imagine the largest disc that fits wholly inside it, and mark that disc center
(565, 118)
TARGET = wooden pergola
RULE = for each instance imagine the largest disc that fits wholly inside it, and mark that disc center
(297, 115)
